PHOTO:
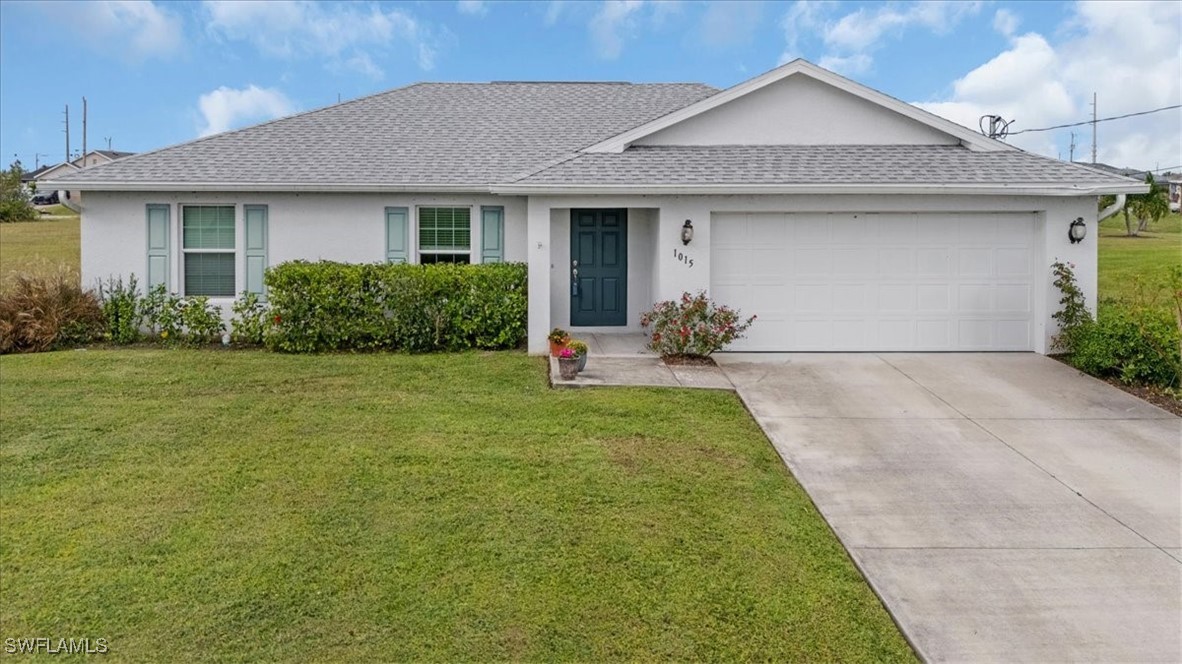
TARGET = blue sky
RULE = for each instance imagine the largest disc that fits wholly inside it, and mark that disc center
(161, 73)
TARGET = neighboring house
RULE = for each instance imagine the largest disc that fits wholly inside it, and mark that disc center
(72, 198)
(1174, 190)
(99, 157)
(28, 177)
(847, 220)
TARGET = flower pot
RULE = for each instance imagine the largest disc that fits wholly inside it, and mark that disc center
(556, 347)
(568, 367)
(582, 361)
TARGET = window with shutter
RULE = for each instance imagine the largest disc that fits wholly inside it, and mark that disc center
(445, 235)
(207, 241)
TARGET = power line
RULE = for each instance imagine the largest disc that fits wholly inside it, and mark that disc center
(1087, 122)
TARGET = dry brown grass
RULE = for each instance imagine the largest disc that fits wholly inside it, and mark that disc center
(43, 311)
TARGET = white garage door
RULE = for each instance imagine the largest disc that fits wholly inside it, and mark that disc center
(897, 281)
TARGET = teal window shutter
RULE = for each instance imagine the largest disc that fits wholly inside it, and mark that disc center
(256, 247)
(158, 231)
(397, 235)
(492, 233)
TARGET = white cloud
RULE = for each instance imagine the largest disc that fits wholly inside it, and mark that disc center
(612, 24)
(726, 23)
(1005, 22)
(472, 7)
(302, 29)
(229, 108)
(865, 28)
(803, 18)
(1128, 54)
(132, 30)
(850, 65)
(851, 39)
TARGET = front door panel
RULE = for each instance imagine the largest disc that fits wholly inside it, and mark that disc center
(599, 267)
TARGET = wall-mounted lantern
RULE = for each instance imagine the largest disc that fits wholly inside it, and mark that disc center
(687, 232)
(1077, 231)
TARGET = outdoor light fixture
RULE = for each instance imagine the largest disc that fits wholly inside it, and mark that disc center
(687, 232)
(1077, 231)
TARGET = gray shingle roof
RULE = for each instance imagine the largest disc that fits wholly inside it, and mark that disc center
(814, 164)
(429, 133)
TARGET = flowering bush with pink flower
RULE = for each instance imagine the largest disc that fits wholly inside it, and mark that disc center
(692, 325)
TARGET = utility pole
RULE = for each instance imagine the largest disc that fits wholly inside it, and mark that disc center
(84, 132)
(1072, 148)
(37, 159)
(1093, 127)
(67, 113)
(108, 139)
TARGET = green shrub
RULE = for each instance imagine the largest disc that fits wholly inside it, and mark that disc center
(1135, 341)
(121, 310)
(250, 321)
(161, 313)
(180, 320)
(201, 321)
(330, 306)
(40, 313)
(692, 325)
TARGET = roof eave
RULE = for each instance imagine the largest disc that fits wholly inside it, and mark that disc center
(1027, 189)
(295, 187)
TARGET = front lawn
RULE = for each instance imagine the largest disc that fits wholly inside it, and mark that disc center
(38, 247)
(253, 506)
(1125, 259)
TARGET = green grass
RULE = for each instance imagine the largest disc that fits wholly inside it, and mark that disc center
(244, 505)
(1124, 260)
(39, 246)
(58, 210)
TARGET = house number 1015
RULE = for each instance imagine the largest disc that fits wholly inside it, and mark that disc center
(679, 255)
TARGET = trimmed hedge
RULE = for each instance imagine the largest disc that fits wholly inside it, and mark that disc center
(326, 306)
(1135, 345)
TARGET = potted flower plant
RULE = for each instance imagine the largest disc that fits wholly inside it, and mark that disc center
(580, 349)
(568, 364)
(558, 338)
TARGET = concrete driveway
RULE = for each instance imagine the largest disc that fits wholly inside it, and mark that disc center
(1004, 506)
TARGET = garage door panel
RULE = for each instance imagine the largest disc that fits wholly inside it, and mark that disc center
(850, 298)
(812, 262)
(1012, 262)
(974, 262)
(812, 298)
(934, 262)
(1014, 298)
(898, 281)
(896, 261)
(895, 298)
(854, 262)
(932, 298)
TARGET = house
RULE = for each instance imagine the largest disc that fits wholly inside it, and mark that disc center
(845, 219)
(97, 157)
(1174, 190)
(72, 198)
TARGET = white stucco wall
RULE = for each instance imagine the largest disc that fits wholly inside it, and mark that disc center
(340, 227)
(549, 216)
(799, 110)
(351, 228)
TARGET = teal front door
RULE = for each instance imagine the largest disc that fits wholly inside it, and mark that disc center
(599, 267)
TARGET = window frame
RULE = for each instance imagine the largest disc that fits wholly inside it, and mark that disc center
(472, 236)
(184, 251)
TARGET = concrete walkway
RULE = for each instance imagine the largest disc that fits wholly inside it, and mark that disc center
(623, 359)
(1004, 506)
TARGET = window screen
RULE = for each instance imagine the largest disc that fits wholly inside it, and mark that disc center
(207, 233)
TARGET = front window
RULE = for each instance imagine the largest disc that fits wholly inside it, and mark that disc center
(445, 235)
(208, 242)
